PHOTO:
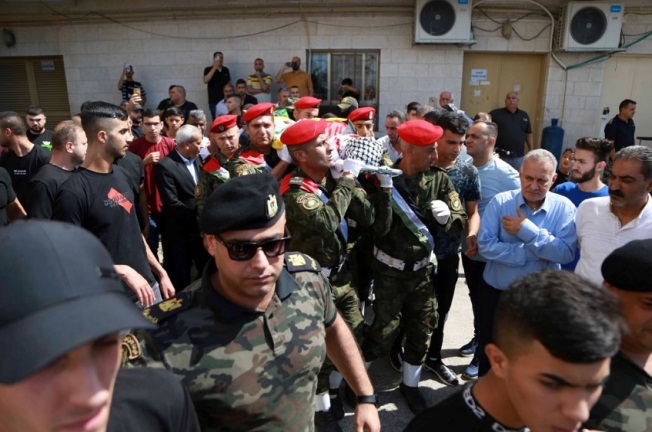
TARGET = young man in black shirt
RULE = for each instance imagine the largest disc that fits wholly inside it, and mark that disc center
(22, 158)
(100, 198)
(68, 151)
(36, 131)
(555, 333)
(10, 207)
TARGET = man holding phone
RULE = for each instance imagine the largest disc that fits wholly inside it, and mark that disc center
(215, 77)
(129, 87)
(296, 77)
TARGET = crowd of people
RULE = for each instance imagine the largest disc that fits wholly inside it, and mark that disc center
(254, 244)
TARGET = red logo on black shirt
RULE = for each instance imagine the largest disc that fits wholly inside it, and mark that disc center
(116, 198)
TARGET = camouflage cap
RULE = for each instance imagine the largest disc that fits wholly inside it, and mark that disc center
(628, 267)
(247, 202)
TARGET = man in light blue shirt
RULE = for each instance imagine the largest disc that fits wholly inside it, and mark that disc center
(522, 231)
(496, 176)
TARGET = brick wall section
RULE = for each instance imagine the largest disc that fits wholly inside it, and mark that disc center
(175, 52)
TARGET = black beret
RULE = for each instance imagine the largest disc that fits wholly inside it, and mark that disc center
(247, 202)
(628, 268)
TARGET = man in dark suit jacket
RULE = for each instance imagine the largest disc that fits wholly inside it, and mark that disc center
(176, 178)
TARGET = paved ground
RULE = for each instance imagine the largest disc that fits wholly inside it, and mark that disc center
(394, 413)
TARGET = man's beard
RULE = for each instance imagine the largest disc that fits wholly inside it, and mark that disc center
(584, 177)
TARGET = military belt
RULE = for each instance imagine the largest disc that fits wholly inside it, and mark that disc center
(399, 264)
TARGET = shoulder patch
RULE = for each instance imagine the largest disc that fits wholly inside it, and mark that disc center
(296, 262)
(169, 307)
(454, 199)
(244, 169)
(130, 348)
(309, 201)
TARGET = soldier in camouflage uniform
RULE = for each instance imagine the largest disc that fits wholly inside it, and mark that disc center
(249, 338)
(224, 143)
(318, 208)
(258, 156)
(423, 199)
(626, 401)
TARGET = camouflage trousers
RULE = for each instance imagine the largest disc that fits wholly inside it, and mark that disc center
(406, 298)
(348, 305)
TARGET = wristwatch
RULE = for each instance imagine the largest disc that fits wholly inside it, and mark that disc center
(370, 399)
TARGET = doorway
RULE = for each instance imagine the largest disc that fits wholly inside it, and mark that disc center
(488, 77)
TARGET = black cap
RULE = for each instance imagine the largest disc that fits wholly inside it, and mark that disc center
(628, 268)
(247, 202)
(138, 107)
(58, 291)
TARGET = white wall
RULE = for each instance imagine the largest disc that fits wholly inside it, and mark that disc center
(175, 52)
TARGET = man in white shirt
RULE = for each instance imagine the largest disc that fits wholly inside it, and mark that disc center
(390, 141)
(606, 223)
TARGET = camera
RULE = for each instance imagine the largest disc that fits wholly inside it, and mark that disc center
(288, 64)
(294, 64)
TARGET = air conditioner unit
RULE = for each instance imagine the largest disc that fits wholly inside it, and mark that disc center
(591, 26)
(443, 21)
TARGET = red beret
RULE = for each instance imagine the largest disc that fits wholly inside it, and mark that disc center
(223, 123)
(419, 132)
(258, 110)
(303, 131)
(364, 113)
(307, 102)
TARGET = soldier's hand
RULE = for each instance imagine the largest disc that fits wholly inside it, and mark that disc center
(440, 211)
(336, 169)
(284, 154)
(366, 418)
(385, 181)
(352, 166)
(512, 224)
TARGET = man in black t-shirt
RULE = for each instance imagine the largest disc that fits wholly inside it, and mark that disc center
(621, 128)
(555, 333)
(99, 197)
(69, 145)
(216, 77)
(10, 207)
(514, 131)
(72, 310)
(21, 158)
(178, 100)
(36, 131)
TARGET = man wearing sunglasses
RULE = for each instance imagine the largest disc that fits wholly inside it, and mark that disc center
(249, 338)
(320, 209)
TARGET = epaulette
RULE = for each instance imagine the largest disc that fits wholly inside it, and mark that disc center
(168, 308)
(130, 348)
(436, 168)
(296, 181)
(297, 262)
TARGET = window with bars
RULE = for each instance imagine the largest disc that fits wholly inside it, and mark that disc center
(329, 67)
